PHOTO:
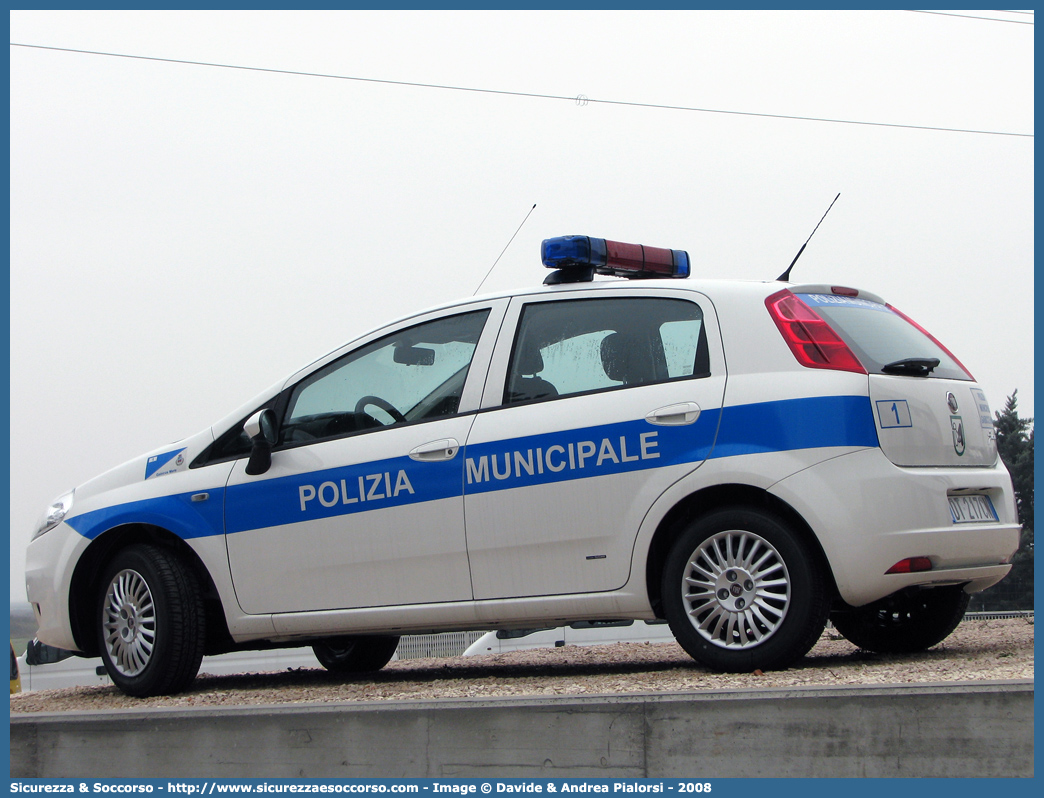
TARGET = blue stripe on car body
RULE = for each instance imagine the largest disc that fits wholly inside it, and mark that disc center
(784, 425)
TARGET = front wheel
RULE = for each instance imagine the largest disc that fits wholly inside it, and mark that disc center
(741, 591)
(908, 621)
(150, 628)
(362, 654)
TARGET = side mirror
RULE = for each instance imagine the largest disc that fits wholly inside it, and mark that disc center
(261, 429)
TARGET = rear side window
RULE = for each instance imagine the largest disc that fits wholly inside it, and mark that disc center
(578, 346)
(878, 336)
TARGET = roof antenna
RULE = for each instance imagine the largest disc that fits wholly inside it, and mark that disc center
(785, 277)
(491, 268)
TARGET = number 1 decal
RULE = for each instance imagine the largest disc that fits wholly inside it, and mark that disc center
(893, 414)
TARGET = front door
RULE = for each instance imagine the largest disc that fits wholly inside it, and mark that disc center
(362, 505)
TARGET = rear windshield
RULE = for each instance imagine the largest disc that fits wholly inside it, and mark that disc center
(878, 336)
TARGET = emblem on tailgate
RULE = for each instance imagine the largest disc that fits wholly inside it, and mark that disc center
(958, 434)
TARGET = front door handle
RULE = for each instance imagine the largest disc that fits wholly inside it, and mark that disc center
(675, 415)
(446, 449)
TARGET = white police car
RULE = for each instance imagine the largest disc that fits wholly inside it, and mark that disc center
(740, 458)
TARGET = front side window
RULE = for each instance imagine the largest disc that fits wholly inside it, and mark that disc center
(415, 374)
(577, 346)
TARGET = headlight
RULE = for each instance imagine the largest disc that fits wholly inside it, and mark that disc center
(54, 514)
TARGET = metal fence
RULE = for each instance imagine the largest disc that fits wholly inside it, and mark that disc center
(453, 644)
(445, 644)
(996, 616)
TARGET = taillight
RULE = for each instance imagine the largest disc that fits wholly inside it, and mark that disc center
(813, 341)
(934, 340)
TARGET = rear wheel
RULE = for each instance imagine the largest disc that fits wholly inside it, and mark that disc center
(911, 620)
(362, 654)
(741, 592)
(150, 630)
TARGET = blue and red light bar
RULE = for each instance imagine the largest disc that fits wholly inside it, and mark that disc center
(580, 257)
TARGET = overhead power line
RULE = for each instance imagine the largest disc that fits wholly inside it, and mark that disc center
(578, 99)
(985, 19)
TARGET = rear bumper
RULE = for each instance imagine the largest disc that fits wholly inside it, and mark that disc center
(869, 514)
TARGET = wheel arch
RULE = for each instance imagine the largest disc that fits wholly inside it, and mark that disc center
(708, 500)
(86, 581)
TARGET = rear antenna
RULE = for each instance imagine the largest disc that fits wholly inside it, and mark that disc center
(785, 277)
(491, 268)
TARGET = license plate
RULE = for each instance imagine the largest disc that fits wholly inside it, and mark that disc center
(972, 509)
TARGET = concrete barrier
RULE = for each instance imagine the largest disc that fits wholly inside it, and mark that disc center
(937, 730)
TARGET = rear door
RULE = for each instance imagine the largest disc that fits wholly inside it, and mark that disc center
(596, 402)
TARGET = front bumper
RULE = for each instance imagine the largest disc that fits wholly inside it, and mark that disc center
(50, 560)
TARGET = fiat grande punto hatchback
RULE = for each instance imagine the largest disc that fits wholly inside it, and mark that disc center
(742, 459)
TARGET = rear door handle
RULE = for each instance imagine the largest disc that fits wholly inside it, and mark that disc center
(675, 415)
(446, 449)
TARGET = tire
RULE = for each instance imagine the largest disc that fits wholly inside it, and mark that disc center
(150, 621)
(362, 654)
(742, 591)
(911, 620)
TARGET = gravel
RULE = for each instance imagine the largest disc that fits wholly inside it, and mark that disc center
(977, 650)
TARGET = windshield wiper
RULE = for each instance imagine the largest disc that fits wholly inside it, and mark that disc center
(912, 366)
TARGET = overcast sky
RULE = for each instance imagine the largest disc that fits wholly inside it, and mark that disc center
(183, 236)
